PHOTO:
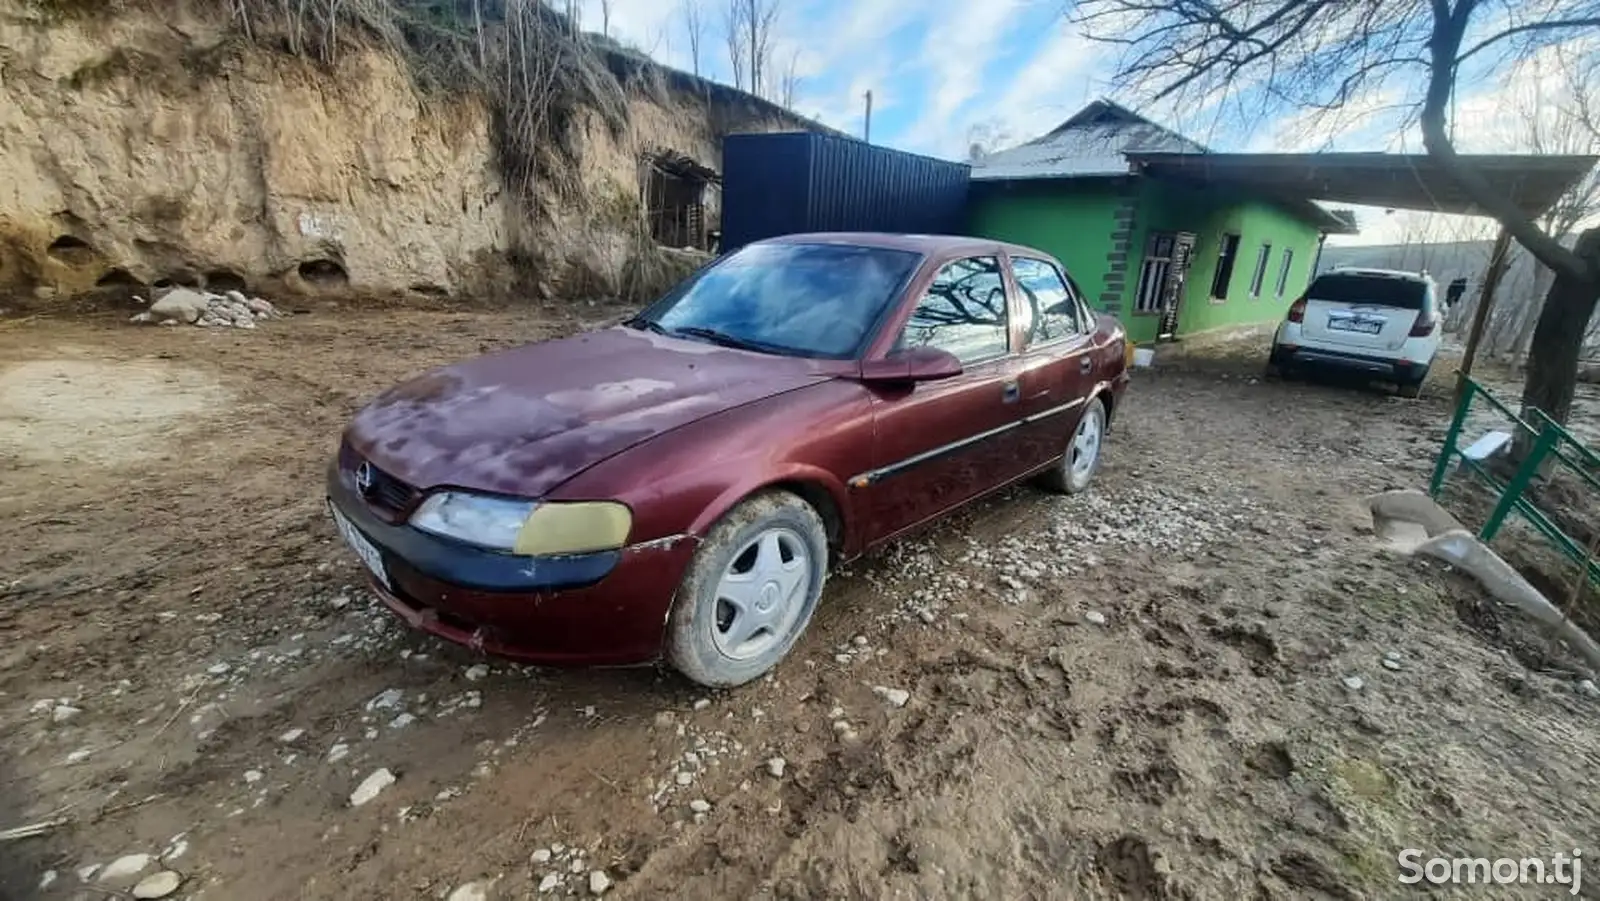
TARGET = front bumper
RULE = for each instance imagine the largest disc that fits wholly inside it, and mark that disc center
(606, 608)
(1379, 367)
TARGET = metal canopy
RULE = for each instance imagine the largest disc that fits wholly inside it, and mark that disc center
(1390, 180)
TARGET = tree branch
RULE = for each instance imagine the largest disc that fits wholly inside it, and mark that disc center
(1530, 26)
(1446, 42)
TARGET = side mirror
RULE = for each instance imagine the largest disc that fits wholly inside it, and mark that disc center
(916, 364)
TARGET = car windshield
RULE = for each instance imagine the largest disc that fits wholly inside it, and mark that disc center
(1387, 291)
(810, 300)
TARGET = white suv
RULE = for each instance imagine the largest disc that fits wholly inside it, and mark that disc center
(1379, 321)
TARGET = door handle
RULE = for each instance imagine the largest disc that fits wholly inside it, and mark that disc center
(1085, 365)
(1010, 392)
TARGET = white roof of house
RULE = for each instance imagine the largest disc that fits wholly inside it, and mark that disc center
(1091, 143)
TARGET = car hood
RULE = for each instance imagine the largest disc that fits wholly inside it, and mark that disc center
(525, 420)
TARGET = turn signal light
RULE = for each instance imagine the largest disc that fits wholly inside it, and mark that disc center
(1297, 311)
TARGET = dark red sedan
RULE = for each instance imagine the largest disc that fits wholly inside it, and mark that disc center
(679, 484)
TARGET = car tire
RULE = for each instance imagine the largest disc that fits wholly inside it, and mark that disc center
(1072, 474)
(756, 543)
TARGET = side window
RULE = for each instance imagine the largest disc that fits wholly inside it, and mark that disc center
(964, 312)
(1053, 309)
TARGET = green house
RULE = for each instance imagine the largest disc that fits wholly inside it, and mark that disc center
(1124, 203)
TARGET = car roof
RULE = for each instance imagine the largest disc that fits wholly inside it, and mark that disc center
(1379, 273)
(927, 245)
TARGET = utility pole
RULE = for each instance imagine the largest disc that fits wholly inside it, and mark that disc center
(866, 130)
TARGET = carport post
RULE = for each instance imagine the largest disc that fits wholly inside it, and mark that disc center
(1480, 316)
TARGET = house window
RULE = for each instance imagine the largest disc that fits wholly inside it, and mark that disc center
(1258, 277)
(1154, 272)
(1283, 271)
(964, 312)
(1225, 259)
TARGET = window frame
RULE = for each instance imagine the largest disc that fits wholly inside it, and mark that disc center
(1073, 295)
(1231, 259)
(1002, 269)
(1258, 275)
(1287, 263)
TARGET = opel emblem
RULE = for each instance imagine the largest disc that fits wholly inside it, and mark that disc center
(364, 478)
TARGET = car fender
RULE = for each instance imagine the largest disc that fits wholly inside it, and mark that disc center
(788, 472)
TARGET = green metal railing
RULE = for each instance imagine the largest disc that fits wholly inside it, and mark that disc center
(1550, 444)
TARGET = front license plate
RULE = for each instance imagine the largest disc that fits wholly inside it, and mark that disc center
(364, 549)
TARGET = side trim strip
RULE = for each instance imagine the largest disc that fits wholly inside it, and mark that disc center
(874, 476)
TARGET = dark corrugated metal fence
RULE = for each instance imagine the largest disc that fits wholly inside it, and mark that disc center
(791, 182)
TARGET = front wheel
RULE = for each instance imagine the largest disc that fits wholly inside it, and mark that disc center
(750, 591)
(1076, 468)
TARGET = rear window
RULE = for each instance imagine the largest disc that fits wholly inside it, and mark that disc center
(1375, 289)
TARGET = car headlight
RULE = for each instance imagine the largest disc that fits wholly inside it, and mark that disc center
(525, 527)
(575, 528)
(488, 522)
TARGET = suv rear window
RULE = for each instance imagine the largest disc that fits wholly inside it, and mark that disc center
(1375, 289)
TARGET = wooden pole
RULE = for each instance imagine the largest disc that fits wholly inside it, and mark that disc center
(1480, 317)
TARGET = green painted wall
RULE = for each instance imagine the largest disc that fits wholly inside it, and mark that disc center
(1075, 222)
(1071, 221)
(1210, 215)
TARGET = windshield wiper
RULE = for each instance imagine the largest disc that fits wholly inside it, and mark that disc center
(724, 339)
(645, 325)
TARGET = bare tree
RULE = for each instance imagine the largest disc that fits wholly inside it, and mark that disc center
(789, 85)
(605, 18)
(694, 27)
(986, 137)
(733, 33)
(1324, 54)
(750, 25)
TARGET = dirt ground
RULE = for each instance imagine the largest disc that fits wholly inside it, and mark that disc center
(189, 667)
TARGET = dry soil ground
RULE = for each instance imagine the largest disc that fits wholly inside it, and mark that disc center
(191, 670)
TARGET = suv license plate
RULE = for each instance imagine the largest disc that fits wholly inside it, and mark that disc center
(364, 549)
(1351, 324)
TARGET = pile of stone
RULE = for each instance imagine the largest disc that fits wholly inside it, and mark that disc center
(185, 306)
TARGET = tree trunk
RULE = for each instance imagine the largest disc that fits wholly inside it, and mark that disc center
(1558, 338)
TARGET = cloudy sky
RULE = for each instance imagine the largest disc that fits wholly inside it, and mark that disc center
(944, 72)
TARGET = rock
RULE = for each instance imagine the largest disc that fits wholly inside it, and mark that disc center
(63, 712)
(897, 697)
(541, 856)
(1391, 663)
(700, 805)
(859, 641)
(369, 788)
(477, 671)
(599, 882)
(1273, 609)
(402, 721)
(144, 317)
(125, 869)
(576, 866)
(549, 882)
(218, 669)
(926, 616)
(47, 880)
(664, 719)
(684, 777)
(182, 304)
(1588, 688)
(251, 777)
(261, 307)
(338, 752)
(1354, 683)
(79, 756)
(86, 872)
(158, 885)
(472, 891)
(387, 699)
(775, 766)
(1095, 618)
(702, 703)
(291, 736)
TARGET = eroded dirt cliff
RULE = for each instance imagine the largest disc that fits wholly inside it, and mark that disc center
(162, 144)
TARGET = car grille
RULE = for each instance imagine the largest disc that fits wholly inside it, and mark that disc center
(387, 494)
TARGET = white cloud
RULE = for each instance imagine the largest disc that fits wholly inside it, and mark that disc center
(957, 48)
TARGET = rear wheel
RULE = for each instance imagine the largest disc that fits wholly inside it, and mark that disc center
(1077, 466)
(750, 591)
